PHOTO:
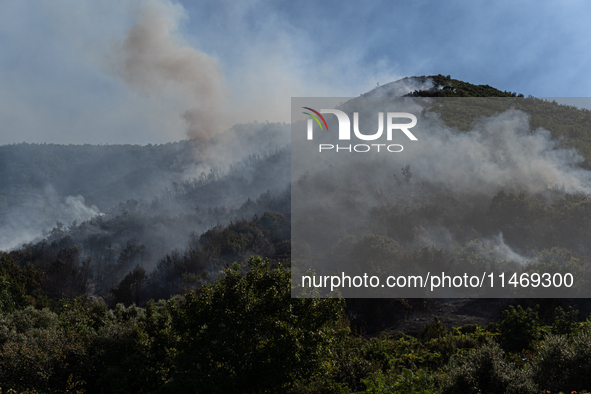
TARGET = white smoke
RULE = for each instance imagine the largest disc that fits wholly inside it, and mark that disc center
(75, 209)
(500, 151)
(402, 87)
(502, 251)
(39, 213)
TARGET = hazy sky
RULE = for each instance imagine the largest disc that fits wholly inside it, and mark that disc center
(71, 71)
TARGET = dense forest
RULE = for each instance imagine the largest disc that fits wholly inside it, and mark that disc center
(244, 333)
(178, 279)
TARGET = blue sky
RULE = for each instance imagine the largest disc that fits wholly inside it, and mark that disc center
(61, 61)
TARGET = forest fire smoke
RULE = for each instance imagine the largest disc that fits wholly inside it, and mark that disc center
(152, 60)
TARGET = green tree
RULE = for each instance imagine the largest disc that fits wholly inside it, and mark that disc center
(519, 328)
(565, 322)
(246, 334)
(433, 330)
(6, 302)
(486, 370)
(129, 290)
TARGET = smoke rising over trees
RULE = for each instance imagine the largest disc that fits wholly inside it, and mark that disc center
(170, 223)
(153, 61)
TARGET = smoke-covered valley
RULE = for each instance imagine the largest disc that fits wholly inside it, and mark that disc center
(45, 184)
(116, 208)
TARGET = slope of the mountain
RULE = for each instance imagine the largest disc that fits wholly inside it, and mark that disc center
(568, 124)
(103, 174)
(255, 176)
(147, 233)
(403, 87)
(435, 86)
(445, 86)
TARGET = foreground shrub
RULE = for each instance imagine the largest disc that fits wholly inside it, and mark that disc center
(406, 382)
(519, 328)
(36, 353)
(563, 365)
(246, 334)
(486, 371)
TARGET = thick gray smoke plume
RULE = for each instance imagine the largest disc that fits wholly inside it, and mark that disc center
(152, 60)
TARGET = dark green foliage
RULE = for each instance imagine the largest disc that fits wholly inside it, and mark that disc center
(135, 351)
(6, 302)
(565, 365)
(356, 361)
(209, 254)
(565, 322)
(275, 226)
(241, 238)
(24, 284)
(455, 88)
(86, 346)
(407, 382)
(519, 328)
(433, 330)
(396, 362)
(486, 371)
(320, 387)
(53, 269)
(57, 267)
(246, 334)
(37, 353)
(379, 362)
(130, 289)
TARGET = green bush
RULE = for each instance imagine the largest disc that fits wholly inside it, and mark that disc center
(35, 352)
(519, 328)
(565, 365)
(433, 330)
(565, 322)
(486, 371)
(323, 386)
(246, 334)
(356, 361)
(406, 382)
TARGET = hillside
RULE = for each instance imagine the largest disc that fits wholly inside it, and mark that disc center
(43, 184)
(138, 224)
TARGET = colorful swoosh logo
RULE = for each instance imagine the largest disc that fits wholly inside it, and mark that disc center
(315, 118)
